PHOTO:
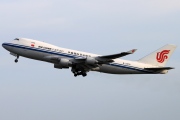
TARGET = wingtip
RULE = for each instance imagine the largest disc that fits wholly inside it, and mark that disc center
(172, 67)
(132, 51)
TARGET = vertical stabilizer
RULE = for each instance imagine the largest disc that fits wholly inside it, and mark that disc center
(160, 56)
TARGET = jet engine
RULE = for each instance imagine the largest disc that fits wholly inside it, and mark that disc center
(91, 61)
(63, 63)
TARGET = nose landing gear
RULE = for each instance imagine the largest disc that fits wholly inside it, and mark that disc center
(16, 55)
(16, 60)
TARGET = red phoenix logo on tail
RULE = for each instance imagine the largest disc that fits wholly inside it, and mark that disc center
(161, 56)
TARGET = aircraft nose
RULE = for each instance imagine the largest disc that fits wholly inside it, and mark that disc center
(3, 45)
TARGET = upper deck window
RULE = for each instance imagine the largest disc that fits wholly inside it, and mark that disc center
(16, 39)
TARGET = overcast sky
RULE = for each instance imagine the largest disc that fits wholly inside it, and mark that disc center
(34, 90)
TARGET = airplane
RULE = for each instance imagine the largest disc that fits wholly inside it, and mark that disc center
(83, 62)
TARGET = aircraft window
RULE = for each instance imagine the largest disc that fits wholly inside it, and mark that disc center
(71, 52)
(16, 39)
(81, 54)
(77, 53)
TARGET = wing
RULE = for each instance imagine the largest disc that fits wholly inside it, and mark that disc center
(91, 63)
(114, 56)
(102, 59)
(87, 63)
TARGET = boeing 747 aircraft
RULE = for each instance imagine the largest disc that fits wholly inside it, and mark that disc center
(82, 62)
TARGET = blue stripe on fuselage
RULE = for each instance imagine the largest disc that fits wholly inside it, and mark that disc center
(72, 56)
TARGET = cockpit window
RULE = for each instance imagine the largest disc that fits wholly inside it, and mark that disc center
(16, 39)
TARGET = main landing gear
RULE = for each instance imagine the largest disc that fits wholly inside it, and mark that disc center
(16, 60)
(84, 74)
(77, 72)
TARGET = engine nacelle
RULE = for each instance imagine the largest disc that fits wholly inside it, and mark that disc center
(63, 63)
(91, 61)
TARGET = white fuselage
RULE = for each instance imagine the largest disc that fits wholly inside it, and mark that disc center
(42, 51)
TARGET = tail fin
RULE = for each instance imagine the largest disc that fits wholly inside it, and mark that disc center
(160, 56)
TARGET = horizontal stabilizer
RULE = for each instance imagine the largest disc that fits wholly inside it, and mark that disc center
(159, 68)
